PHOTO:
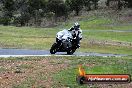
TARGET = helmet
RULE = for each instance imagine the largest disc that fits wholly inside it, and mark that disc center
(76, 26)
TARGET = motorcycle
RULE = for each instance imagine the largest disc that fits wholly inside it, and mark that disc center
(68, 45)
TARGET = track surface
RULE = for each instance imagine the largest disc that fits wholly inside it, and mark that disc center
(26, 52)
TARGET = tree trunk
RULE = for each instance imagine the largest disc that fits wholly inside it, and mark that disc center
(108, 3)
(119, 5)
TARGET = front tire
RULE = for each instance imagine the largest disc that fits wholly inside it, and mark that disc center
(53, 49)
(70, 52)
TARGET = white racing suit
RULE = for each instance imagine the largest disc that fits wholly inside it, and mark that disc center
(75, 35)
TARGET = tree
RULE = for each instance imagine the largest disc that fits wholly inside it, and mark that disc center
(95, 2)
(87, 4)
(8, 9)
(23, 12)
(108, 3)
(37, 8)
(118, 3)
(8, 5)
(75, 5)
(58, 7)
(129, 3)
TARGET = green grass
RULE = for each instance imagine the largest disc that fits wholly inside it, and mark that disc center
(43, 38)
(92, 65)
(89, 23)
(27, 84)
(26, 37)
(95, 23)
(98, 23)
(67, 77)
(25, 66)
(105, 49)
(2, 69)
(113, 36)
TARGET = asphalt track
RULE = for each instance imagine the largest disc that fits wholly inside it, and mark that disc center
(27, 52)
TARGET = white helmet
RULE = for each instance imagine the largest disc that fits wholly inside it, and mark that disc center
(76, 26)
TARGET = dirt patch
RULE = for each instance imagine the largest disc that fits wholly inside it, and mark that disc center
(35, 73)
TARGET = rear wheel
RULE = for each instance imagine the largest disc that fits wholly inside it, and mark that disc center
(53, 49)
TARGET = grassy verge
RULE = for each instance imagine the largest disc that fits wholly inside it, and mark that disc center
(105, 49)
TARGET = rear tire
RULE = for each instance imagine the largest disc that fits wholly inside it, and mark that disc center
(53, 49)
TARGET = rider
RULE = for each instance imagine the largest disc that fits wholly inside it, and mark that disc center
(74, 31)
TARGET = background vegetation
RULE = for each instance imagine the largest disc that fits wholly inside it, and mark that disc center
(48, 12)
(106, 29)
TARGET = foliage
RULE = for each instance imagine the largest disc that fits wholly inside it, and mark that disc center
(129, 3)
(58, 7)
(24, 12)
(8, 9)
(75, 5)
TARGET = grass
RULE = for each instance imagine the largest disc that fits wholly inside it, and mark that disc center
(43, 38)
(31, 71)
(27, 84)
(95, 23)
(92, 65)
(42, 72)
(26, 37)
(105, 49)
(99, 23)
(113, 36)
(89, 23)
(25, 66)
(2, 69)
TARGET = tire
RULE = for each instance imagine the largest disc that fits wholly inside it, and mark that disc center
(73, 51)
(53, 49)
(70, 52)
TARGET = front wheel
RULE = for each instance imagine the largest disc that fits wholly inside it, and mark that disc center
(53, 49)
(70, 52)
